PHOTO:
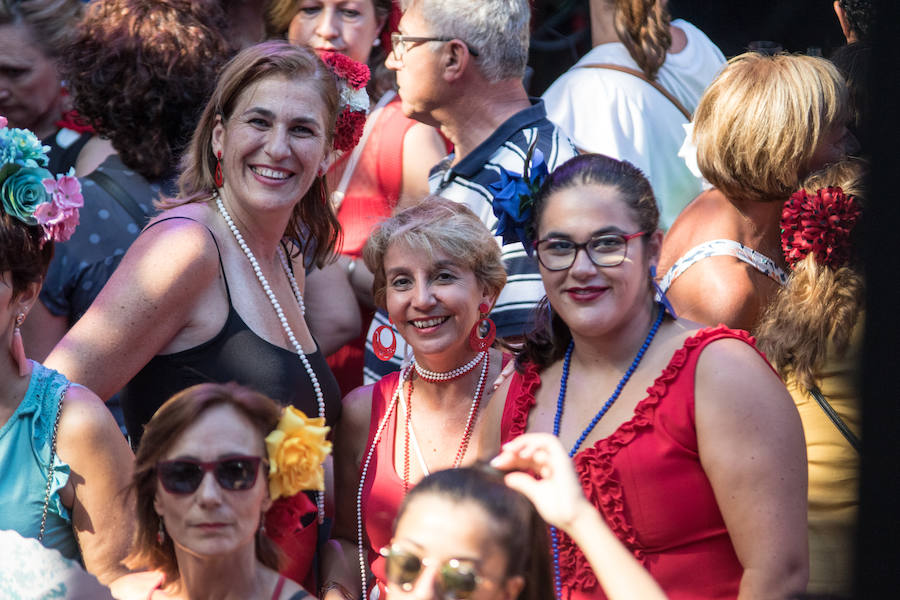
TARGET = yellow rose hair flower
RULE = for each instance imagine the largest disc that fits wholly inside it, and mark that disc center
(297, 448)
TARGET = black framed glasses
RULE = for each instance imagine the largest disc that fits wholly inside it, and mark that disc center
(400, 43)
(457, 578)
(183, 476)
(608, 250)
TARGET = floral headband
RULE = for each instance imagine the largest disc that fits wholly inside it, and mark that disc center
(352, 77)
(514, 196)
(29, 192)
(819, 224)
(297, 447)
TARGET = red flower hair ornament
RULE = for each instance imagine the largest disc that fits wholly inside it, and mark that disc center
(352, 77)
(819, 224)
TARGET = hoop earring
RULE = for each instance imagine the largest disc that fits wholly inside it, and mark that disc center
(381, 351)
(161, 533)
(477, 342)
(18, 348)
(220, 181)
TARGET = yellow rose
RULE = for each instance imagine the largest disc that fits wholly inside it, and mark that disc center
(297, 448)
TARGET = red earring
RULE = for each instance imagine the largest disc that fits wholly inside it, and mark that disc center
(218, 175)
(477, 341)
(381, 351)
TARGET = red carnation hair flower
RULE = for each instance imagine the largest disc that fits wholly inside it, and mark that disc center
(356, 74)
(819, 224)
(348, 129)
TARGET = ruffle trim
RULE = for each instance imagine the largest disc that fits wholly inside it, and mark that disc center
(43, 396)
(528, 383)
(595, 471)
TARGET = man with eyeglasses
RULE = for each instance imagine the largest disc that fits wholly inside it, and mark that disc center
(459, 66)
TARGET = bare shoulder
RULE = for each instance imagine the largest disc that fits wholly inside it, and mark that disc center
(85, 420)
(717, 289)
(730, 371)
(357, 408)
(704, 219)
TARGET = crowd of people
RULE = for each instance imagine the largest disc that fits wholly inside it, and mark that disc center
(600, 344)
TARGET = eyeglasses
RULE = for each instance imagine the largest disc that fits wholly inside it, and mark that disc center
(558, 254)
(399, 43)
(184, 476)
(457, 578)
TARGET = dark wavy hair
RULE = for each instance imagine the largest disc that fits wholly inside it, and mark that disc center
(313, 227)
(139, 71)
(21, 253)
(167, 424)
(860, 16)
(548, 341)
(516, 526)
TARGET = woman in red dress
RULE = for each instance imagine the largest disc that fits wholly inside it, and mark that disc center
(684, 438)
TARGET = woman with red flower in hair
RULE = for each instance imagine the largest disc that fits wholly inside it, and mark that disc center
(812, 332)
(389, 167)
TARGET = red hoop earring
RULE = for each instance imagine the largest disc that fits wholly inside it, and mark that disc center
(218, 174)
(477, 341)
(381, 351)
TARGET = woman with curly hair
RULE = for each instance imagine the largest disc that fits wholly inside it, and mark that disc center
(607, 102)
(138, 71)
(812, 332)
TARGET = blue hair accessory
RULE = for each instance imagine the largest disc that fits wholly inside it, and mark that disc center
(514, 196)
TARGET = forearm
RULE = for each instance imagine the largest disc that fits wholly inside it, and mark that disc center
(775, 583)
(619, 573)
(340, 564)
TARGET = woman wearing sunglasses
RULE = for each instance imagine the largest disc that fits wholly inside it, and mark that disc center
(684, 438)
(202, 494)
(437, 274)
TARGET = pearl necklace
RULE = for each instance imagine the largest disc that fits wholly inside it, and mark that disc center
(438, 377)
(557, 419)
(405, 376)
(320, 397)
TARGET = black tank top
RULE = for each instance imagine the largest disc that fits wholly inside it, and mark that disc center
(234, 354)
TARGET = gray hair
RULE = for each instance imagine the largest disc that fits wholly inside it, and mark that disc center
(497, 29)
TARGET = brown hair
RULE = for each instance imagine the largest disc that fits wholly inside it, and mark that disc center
(167, 424)
(816, 311)
(517, 528)
(138, 72)
(643, 28)
(22, 254)
(437, 224)
(313, 226)
(761, 120)
(50, 23)
(548, 341)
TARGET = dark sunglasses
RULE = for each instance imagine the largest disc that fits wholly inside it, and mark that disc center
(457, 579)
(183, 476)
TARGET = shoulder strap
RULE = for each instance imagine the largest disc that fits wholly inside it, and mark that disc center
(640, 75)
(121, 196)
(215, 241)
(816, 393)
(276, 594)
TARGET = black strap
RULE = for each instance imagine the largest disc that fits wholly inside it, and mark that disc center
(835, 418)
(121, 196)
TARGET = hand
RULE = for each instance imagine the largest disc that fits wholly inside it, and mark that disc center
(508, 370)
(543, 472)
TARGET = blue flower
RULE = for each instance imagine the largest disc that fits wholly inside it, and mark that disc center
(514, 196)
(22, 147)
(23, 190)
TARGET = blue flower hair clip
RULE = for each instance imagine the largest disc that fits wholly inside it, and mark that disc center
(514, 196)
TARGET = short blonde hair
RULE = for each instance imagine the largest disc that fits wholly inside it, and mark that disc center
(761, 120)
(443, 225)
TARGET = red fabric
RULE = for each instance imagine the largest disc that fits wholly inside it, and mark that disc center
(647, 481)
(375, 186)
(383, 489)
(347, 361)
(296, 541)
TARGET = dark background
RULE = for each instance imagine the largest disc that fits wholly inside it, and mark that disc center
(562, 29)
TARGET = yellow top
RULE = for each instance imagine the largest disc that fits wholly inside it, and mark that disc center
(833, 471)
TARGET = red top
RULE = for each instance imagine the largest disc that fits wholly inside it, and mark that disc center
(647, 481)
(375, 186)
(383, 489)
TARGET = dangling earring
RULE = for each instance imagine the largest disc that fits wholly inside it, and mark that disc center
(161, 533)
(376, 43)
(477, 342)
(660, 294)
(18, 349)
(218, 175)
(381, 351)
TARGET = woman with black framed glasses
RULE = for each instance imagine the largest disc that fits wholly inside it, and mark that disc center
(684, 438)
(201, 487)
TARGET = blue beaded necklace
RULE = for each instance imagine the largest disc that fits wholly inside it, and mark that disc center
(560, 402)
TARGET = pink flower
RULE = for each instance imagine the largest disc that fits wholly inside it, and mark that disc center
(59, 216)
(65, 191)
(3, 122)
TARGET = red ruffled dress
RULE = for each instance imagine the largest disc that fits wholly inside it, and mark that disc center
(647, 481)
